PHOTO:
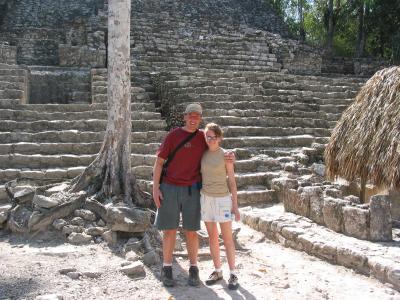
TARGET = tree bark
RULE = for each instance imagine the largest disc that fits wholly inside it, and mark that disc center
(302, 34)
(361, 30)
(110, 172)
(329, 40)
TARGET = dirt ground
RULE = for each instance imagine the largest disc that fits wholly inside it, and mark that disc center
(31, 267)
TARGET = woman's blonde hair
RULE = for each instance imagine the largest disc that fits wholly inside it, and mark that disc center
(214, 127)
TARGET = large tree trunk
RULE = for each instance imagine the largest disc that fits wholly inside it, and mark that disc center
(302, 34)
(361, 35)
(110, 173)
(329, 40)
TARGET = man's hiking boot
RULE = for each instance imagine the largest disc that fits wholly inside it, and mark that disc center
(194, 279)
(233, 283)
(214, 277)
(166, 276)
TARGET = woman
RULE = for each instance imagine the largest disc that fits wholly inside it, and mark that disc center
(219, 203)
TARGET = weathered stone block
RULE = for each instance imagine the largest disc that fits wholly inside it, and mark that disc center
(315, 196)
(294, 203)
(395, 204)
(356, 222)
(354, 259)
(333, 213)
(128, 219)
(380, 218)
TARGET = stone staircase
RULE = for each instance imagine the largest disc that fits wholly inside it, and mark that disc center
(47, 143)
(268, 118)
(13, 84)
(239, 74)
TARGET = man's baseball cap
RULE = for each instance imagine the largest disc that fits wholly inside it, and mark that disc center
(193, 107)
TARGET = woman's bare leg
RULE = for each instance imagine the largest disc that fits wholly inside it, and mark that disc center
(226, 230)
(212, 230)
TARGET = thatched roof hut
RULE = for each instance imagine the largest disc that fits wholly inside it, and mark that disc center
(366, 141)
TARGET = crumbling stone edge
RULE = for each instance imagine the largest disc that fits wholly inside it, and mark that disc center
(287, 233)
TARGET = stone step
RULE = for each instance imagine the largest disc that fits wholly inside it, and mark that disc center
(69, 148)
(75, 136)
(9, 103)
(235, 131)
(12, 72)
(267, 102)
(376, 260)
(267, 121)
(268, 141)
(257, 77)
(81, 107)
(33, 115)
(257, 197)
(272, 111)
(321, 95)
(299, 86)
(251, 98)
(39, 161)
(82, 125)
(250, 195)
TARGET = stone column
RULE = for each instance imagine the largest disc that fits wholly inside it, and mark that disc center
(380, 218)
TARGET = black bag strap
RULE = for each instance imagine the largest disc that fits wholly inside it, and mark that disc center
(172, 154)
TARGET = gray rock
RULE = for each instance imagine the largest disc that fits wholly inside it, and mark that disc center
(56, 189)
(353, 199)
(24, 195)
(356, 222)
(380, 218)
(50, 297)
(79, 238)
(64, 271)
(92, 274)
(281, 183)
(315, 195)
(353, 258)
(135, 269)
(101, 223)
(85, 214)
(5, 208)
(128, 219)
(3, 216)
(95, 231)
(45, 202)
(110, 237)
(68, 229)
(333, 213)
(74, 275)
(151, 258)
(133, 244)
(78, 221)
(334, 193)
(132, 256)
(59, 223)
(393, 275)
(318, 169)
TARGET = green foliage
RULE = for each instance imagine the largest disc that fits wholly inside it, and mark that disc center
(381, 24)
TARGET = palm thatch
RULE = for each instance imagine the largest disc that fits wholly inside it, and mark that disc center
(366, 141)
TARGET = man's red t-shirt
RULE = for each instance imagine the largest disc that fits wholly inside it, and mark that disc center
(184, 169)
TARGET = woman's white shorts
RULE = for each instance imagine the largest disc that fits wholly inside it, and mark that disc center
(216, 209)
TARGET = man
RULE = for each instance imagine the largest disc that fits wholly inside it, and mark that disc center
(180, 191)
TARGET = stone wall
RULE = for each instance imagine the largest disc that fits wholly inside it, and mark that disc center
(236, 13)
(327, 205)
(59, 85)
(81, 56)
(295, 57)
(357, 66)
(8, 54)
(37, 27)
